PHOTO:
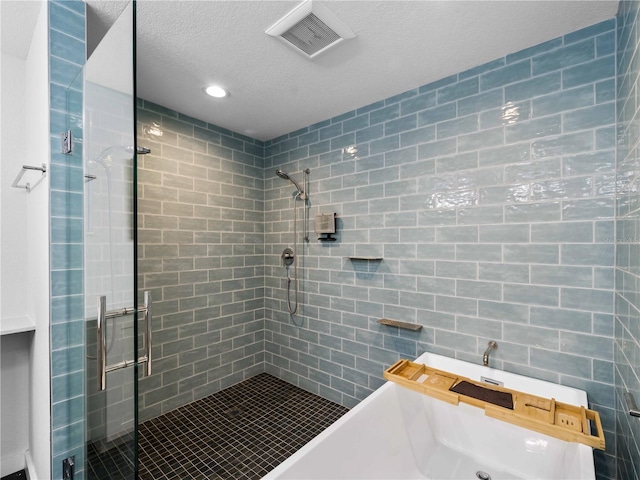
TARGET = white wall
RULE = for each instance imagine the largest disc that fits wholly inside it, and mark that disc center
(14, 358)
(14, 411)
(24, 260)
(37, 142)
(13, 203)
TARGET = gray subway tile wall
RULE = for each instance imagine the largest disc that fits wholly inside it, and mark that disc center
(627, 302)
(490, 195)
(201, 254)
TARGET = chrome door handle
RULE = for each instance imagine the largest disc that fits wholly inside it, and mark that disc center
(147, 337)
(103, 315)
(102, 342)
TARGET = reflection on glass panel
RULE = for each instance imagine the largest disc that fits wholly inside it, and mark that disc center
(108, 152)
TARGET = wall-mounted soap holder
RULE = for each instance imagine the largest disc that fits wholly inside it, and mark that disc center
(403, 325)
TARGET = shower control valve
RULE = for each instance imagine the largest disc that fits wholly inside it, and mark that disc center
(287, 256)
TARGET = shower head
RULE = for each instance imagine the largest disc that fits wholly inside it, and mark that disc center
(120, 148)
(139, 150)
(284, 175)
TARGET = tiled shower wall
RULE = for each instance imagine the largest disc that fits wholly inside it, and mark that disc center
(490, 197)
(66, 58)
(627, 325)
(201, 254)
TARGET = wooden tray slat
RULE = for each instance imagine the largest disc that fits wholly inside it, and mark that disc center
(560, 420)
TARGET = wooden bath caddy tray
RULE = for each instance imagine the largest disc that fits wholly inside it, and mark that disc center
(543, 415)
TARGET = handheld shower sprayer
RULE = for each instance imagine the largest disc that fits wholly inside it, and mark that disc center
(284, 175)
(302, 195)
(289, 255)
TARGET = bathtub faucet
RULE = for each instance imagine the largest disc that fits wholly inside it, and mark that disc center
(485, 358)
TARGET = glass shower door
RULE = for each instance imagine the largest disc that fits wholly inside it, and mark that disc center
(111, 313)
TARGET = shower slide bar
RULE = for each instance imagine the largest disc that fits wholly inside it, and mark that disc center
(103, 316)
(27, 186)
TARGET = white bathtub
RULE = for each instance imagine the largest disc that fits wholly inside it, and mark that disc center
(397, 433)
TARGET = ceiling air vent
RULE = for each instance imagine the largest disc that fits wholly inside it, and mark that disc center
(311, 29)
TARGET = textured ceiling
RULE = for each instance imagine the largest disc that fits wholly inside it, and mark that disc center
(400, 45)
(185, 45)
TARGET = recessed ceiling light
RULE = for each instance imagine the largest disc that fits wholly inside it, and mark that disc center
(216, 91)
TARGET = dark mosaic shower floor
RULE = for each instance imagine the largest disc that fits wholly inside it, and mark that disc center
(242, 432)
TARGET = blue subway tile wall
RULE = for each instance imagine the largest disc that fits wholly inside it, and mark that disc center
(66, 58)
(201, 254)
(490, 196)
(627, 275)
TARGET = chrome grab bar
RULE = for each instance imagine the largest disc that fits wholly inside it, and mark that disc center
(103, 315)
